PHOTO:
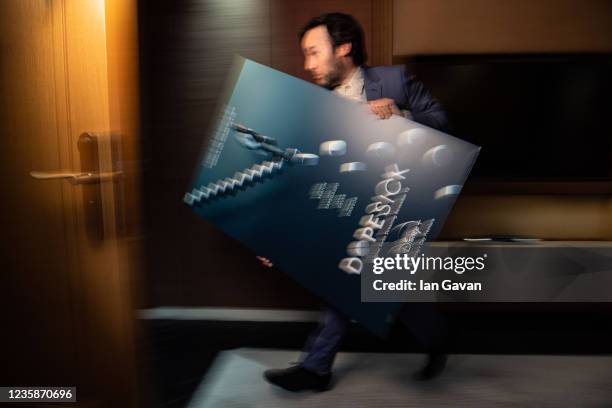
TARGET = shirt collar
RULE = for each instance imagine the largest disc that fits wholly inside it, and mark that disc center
(353, 86)
(356, 79)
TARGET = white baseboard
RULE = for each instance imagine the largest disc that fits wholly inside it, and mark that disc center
(228, 314)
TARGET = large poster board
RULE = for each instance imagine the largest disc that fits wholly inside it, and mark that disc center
(317, 183)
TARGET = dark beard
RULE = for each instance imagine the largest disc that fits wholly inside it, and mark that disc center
(333, 79)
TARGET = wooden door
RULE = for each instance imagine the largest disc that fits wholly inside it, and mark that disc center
(67, 125)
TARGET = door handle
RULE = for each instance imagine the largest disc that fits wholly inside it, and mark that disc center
(96, 151)
(76, 178)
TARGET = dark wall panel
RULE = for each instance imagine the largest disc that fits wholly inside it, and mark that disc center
(186, 49)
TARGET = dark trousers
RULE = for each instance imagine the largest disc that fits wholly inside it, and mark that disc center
(422, 319)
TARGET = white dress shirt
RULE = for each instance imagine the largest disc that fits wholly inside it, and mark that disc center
(354, 88)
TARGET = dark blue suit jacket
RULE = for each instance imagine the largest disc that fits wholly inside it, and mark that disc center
(408, 93)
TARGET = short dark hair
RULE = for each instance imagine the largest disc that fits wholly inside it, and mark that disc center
(342, 29)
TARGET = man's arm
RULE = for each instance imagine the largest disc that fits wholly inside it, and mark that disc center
(423, 107)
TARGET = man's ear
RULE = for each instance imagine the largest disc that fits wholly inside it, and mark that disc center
(343, 50)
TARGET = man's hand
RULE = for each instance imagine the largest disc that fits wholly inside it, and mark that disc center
(264, 261)
(384, 108)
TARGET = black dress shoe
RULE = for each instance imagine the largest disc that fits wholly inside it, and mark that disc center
(297, 378)
(436, 362)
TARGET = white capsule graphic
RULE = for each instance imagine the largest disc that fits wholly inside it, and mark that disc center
(438, 156)
(305, 159)
(381, 150)
(412, 137)
(353, 167)
(447, 191)
(333, 148)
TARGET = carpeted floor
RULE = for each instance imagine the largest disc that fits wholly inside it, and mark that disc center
(385, 380)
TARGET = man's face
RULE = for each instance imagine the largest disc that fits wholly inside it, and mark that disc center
(320, 60)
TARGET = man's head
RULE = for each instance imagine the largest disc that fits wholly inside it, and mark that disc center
(332, 45)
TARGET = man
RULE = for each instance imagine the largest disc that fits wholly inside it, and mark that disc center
(334, 54)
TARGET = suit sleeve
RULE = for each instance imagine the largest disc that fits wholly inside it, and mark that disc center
(423, 107)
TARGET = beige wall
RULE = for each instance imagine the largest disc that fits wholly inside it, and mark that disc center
(553, 217)
(497, 26)
(512, 26)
